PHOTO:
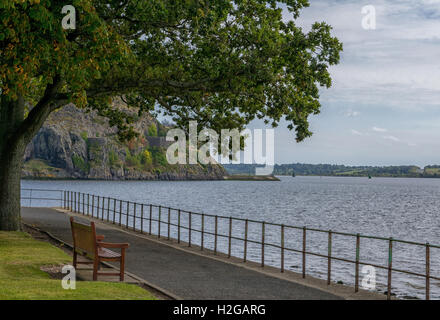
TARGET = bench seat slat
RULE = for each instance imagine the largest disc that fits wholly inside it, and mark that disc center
(106, 253)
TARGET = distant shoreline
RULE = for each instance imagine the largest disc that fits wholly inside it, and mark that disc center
(250, 178)
(359, 176)
(225, 178)
(304, 169)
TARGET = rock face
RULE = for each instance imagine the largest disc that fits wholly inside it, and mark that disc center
(74, 144)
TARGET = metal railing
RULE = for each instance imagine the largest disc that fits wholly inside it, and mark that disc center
(43, 195)
(150, 219)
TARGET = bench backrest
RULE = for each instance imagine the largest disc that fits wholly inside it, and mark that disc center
(84, 238)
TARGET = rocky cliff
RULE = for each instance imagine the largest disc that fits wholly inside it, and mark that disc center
(81, 145)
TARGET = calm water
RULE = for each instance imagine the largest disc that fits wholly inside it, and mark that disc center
(405, 209)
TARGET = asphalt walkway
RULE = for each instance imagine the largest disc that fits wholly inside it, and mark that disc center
(186, 275)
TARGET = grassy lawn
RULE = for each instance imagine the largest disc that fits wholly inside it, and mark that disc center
(21, 278)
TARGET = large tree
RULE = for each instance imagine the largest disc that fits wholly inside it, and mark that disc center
(220, 62)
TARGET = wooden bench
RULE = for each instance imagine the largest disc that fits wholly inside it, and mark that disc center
(87, 243)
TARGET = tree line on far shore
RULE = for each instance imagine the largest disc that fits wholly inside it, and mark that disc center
(302, 169)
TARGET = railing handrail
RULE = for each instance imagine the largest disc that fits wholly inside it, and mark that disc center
(341, 233)
(72, 200)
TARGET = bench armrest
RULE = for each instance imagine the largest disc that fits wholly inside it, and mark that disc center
(113, 245)
(100, 237)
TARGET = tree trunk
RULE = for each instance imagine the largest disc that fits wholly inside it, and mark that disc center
(10, 177)
(12, 149)
(15, 134)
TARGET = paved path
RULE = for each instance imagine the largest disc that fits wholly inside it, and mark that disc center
(186, 275)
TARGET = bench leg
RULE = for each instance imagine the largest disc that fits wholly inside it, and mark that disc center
(95, 269)
(122, 266)
(75, 257)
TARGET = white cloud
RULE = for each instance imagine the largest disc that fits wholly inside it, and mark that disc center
(356, 133)
(395, 66)
(392, 138)
(350, 113)
(376, 129)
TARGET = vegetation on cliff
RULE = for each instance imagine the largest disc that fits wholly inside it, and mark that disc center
(77, 144)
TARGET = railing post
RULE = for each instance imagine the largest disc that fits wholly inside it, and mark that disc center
(282, 248)
(128, 214)
(246, 225)
(97, 207)
(74, 205)
(114, 211)
(230, 237)
(304, 252)
(329, 259)
(428, 271)
(159, 222)
(151, 217)
(84, 204)
(134, 216)
(215, 235)
(64, 199)
(103, 210)
(263, 231)
(202, 237)
(358, 244)
(93, 204)
(178, 226)
(120, 213)
(169, 223)
(88, 204)
(108, 209)
(390, 267)
(189, 228)
(142, 218)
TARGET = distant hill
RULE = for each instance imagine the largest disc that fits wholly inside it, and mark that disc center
(303, 169)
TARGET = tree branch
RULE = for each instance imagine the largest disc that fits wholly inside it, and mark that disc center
(48, 103)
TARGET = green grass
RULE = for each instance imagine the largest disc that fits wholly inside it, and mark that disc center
(21, 278)
(37, 165)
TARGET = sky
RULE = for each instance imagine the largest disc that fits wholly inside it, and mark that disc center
(384, 105)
